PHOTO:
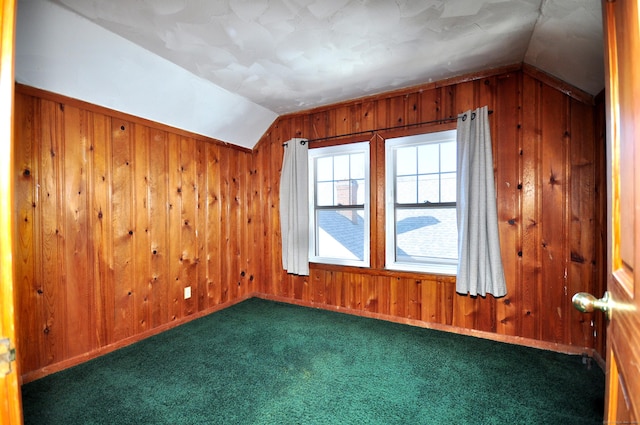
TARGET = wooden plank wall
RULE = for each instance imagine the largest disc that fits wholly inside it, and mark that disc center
(115, 217)
(549, 162)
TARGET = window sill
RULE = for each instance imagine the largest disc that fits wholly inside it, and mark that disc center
(403, 274)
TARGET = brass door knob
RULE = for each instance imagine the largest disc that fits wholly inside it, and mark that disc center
(587, 303)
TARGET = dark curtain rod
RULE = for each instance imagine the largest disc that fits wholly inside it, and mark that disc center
(358, 133)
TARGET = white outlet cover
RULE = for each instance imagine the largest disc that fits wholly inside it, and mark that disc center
(187, 292)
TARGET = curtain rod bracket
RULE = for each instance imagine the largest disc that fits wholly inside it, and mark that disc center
(302, 142)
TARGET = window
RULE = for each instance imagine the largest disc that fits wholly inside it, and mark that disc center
(339, 204)
(421, 223)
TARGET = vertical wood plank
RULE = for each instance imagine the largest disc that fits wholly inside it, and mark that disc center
(414, 300)
(188, 225)
(266, 240)
(398, 297)
(202, 227)
(122, 222)
(260, 262)
(582, 235)
(317, 283)
(506, 122)
(78, 285)
(383, 284)
(319, 125)
(428, 105)
(228, 256)
(53, 272)
(245, 226)
(337, 284)
(159, 242)
(530, 285)
(353, 291)
(329, 284)
(214, 227)
(370, 295)
(429, 301)
(397, 111)
(367, 114)
(342, 121)
(382, 113)
(142, 256)
(174, 190)
(28, 277)
(102, 235)
(298, 285)
(412, 108)
(553, 210)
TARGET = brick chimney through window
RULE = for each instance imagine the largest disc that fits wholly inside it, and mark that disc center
(347, 194)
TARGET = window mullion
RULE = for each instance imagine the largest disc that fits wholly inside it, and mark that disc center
(340, 207)
(426, 205)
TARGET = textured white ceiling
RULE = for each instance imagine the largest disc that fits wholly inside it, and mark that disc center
(289, 55)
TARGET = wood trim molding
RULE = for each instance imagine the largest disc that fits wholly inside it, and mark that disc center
(558, 84)
(57, 367)
(531, 70)
(526, 342)
(383, 272)
(509, 339)
(65, 100)
(409, 90)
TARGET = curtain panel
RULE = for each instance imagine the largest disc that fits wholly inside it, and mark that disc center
(294, 207)
(480, 269)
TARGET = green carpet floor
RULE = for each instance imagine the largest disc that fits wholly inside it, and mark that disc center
(261, 362)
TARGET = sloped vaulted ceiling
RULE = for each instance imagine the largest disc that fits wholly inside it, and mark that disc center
(228, 68)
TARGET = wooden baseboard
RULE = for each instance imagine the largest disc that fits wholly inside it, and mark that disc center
(74, 361)
(510, 339)
(600, 360)
(527, 342)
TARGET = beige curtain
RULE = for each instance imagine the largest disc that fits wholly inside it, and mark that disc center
(294, 207)
(480, 268)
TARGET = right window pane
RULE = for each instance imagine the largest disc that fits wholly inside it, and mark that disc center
(421, 230)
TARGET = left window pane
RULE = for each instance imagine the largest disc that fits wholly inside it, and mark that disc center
(339, 204)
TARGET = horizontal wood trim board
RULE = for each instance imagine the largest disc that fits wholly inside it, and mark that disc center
(74, 361)
(65, 100)
(508, 339)
(560, 348)
(559, 85)
(501, 72)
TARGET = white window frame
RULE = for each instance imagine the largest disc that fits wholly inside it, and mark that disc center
(359, 147)
(438, 265)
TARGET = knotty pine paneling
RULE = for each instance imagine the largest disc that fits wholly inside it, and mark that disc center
(549, 163)
(116, 216)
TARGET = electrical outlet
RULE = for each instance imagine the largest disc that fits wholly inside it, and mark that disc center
(187, 292)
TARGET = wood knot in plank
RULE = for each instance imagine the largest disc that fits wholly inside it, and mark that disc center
(577, 258)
